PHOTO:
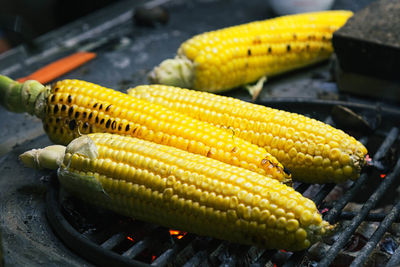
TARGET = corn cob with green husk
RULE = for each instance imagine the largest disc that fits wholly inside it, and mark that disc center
(184, 191)
(70, 108)
(223, 59)
(312, 150)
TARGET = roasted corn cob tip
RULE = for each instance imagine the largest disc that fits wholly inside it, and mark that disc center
(223, 59)
(314, 151)
(71, 108)
(185, 191)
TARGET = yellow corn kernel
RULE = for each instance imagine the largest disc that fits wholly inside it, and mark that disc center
(142, 193)
(223, 59)
(307, 147)
(70, 108)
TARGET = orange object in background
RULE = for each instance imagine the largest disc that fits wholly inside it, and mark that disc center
(59, 67)
(4, 45)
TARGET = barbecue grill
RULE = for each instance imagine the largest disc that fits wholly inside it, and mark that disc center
(129, 248)
(41, 224)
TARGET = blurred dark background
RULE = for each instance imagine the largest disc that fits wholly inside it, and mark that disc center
(23, 20)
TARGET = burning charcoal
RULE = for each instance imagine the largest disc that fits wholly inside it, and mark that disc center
(388, 245)
(338, 191)
(280, 257)
(347, 119)
(343, 259)
(367, 229)
(318, 252)
(395, 229)
(378, 259)
(356, 243)
(351, 206)
(388, 161)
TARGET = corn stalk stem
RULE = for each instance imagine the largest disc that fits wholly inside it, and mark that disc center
(29, 96)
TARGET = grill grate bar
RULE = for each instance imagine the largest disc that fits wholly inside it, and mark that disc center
(163, 258)
(254, 254)
(232, 255)
(386, 145)
(229, 262)
(264, 258)
(369, 204)
(371, 217)
(167, 255)
(151, 235)
(322, 193)
(302, 187)
(294, 259)
(226, 254)
(196, 259)
(376, 237)
(213, 256)
(333, 213)
(137, 248)
(113, 241)
(200, 243)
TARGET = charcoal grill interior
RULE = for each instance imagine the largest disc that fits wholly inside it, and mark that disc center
(42, 226)
(106, 238)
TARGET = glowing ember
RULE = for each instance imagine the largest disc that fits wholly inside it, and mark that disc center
(177, 234)
(153, 258)
(324, 210)
(130, 238)
(368, 160)
(382, 176)
(173, 232)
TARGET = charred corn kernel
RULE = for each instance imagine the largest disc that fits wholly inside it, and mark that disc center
(305, 146)
(87, 168)
(71, 108)
(223, 59)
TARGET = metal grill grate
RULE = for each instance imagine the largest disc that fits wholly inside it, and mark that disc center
(107, 242)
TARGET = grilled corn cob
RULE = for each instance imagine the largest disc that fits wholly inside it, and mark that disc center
(71, 107)
(184, 191)
(312, 150)
(223, 59)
